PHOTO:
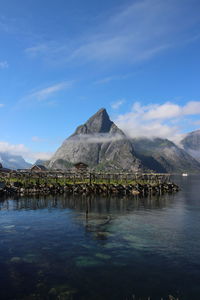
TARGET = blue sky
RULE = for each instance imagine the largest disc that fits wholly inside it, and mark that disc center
(61, 61)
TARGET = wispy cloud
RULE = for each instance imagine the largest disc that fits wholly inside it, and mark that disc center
(95, 138)
(36, 50)
(2, 105)
(108, 79)
(44, 96)
(4, 64)
(105, 80)
(132, 33)
(117, 104)
(50, 90)
(163, 120)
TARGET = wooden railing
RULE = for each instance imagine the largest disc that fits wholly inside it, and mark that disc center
(89, 177)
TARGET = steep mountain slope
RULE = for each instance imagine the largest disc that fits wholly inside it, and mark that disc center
(13, 162)
(98, 143)
(163, 155)
(191, 144)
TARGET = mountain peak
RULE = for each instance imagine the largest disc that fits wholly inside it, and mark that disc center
(98, 123)
(101, 111)
(98, 142)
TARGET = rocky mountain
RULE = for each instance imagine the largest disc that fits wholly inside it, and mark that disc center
(191, 144)
(163, 155)
(13, 162)
(103, 146)
(98, 143)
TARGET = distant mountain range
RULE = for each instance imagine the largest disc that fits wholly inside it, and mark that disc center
(103, 146)
(13, 162)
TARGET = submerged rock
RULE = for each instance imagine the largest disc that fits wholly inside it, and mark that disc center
(15, 259)
(83, 261)
(52, 292)
(9, 226)
(103, 256)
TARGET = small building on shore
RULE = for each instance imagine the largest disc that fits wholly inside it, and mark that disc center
(38, 168)
(80, 167)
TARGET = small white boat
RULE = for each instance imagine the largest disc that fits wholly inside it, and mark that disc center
(184, 174)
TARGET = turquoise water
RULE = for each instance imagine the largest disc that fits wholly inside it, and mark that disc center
(147, 247)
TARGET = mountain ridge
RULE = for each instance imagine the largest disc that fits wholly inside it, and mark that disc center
(167, 155)
(103, 146)
(191, 144)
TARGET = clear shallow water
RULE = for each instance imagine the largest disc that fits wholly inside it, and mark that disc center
(50, 248)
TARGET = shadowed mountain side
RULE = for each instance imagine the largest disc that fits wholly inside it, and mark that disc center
(150, 163)
(191, 144)
(163, 155)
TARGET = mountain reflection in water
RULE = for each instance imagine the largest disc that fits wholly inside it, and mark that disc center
(92, 203)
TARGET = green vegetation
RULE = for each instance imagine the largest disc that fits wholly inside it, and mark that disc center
(27, 180)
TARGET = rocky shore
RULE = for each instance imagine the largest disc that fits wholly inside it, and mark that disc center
(18, 188)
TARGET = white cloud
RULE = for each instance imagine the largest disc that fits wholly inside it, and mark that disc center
(170, 110)
(2, 105)
(4, 64)
(21, 149)
(192, 108)
(117, 104)
(96, 138)
(157, 120)
(40, 155)
(12, 148)
(165, 111)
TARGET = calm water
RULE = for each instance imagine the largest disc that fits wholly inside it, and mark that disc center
(50, 248)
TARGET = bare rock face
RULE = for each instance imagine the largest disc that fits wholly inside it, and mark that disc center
(163, 155)
(191, 144)
(98, 123)
(98, 143)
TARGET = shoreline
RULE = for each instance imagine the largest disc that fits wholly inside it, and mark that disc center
(20, 189)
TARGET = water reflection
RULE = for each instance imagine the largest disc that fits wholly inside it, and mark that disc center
(79, 247)
(89, 204)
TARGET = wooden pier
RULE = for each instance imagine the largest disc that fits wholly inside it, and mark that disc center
(55, 183)
(84, 177)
